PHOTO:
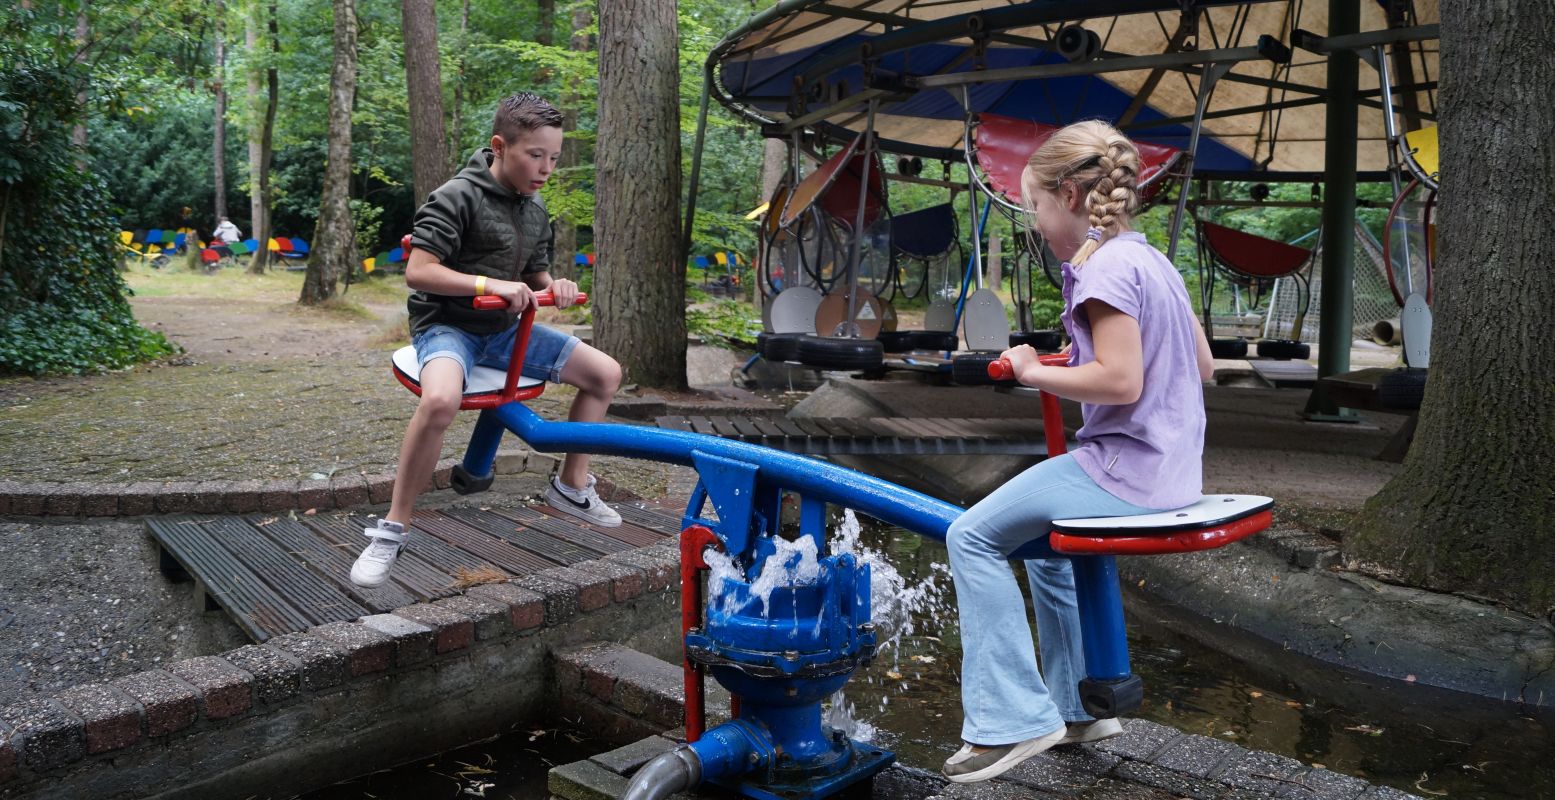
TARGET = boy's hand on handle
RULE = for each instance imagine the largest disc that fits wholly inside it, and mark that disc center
(563, 292)
(517, 294)
(492, 302)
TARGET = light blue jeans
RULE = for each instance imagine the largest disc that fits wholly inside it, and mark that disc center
(1003, 696)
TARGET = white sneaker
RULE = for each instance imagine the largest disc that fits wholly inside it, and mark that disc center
(373, 565)
(1092, 731)
(583, 503)
(967, 766)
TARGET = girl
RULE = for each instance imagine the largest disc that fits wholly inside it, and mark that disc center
(1137, 362)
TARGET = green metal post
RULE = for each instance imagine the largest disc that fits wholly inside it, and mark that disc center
(1336, 304)
(696, 168)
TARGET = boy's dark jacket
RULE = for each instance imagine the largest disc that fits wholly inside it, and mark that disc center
(477, 226)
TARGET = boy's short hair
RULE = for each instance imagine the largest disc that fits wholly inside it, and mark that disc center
(524, 111)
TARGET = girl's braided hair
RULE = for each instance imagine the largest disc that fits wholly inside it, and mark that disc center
(1100, 161)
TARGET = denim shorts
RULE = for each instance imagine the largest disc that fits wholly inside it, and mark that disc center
(544, 357)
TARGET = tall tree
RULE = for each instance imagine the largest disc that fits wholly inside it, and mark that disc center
(640, 274)
(266, 189)
(546, 32)
(572, 155)
(334, 249)
(456, 135)
(256, 200)
(219, 162)
(1473, 508)
(424, 87)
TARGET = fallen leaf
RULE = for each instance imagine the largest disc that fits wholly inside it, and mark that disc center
(1255, 695)
(310, 512)
(894, 675)
(1409, 678)
(1294, 704)
(1369, 730)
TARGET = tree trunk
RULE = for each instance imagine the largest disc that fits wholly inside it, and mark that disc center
(456, 136)
(334, 249)
(261, 231)
(572, 155)
(424, 86)
(1473, 508)
(639, 283)
(256, 204)
(219, 145)
(78, 134)
(546, 34)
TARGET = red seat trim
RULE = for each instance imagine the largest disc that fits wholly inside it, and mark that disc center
(1005, 144)
(1253, 256)
(1183, 541)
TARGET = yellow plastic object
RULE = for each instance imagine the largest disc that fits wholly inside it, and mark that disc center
(1423, 144)
(369, 263)
(722, 259)
(275, 247)
(125, 237)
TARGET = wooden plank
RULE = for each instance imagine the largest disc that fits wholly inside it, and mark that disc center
(674, 422)
(304, 544)
(812, 430)
(499, 525)
(747, 429)
(660, 522)
(700, 424)
(771, 435)
(424, 579)
(724, 427)
(317, 598)
(258, 610)
(570, 528)
(553, 548)
(493, 549)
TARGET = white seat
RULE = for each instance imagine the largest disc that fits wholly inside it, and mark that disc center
(1210, 511)
(483, 380)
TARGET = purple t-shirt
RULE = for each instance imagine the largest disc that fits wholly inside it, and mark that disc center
(1149, 452)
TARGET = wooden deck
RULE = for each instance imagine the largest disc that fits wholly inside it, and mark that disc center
(872, 435)
(280, 574)
(1282, 374)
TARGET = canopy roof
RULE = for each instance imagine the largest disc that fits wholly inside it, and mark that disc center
(806, 60)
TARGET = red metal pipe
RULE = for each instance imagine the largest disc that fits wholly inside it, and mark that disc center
(693, 541)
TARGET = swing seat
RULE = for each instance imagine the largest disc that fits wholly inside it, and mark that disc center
(1005, 144)
(1252, 256)
(925, 233)
(835, 185)
(1214, 521)
(482, 390)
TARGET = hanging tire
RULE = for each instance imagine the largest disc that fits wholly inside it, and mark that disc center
(896, 341)
(826, 352)
(779, 346)
(971, 369)
(1045, 341)
(1284, 349)
(1228, 348)
(1402, 388)
(935, 340)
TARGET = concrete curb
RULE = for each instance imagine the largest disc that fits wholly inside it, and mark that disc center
(135, 735)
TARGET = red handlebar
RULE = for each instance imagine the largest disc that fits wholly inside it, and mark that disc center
(1003, 370)
(491, 302)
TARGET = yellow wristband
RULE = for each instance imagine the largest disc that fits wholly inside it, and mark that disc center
(480, 284)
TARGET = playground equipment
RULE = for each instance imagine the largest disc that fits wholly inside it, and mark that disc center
(789, 619)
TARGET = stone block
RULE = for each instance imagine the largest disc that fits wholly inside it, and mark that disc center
(99, 500)
(63, 501)
(660, 570)
(276, 677)
(7, 751)
(585, 780)
(561, 597)
(138, 499)
(316, 494)
(112, 719)
(1257, 770)
(225, 690)
(1178, 784)
(351, 490)
(28, 498)
(176, 497)
(7, 488)
(593, 589)
(491, 619)
(450, 630)
(1196, 755)
(442, 477)
(380, 488)
(243, 497)
(1387, 793)
(413, 642)
(210, 497)
(366, 650)
(1322, 784)
(324, 664)
(1141, 739)
(626, 582)
(526, 609)
(278, 495)
(50, 735)
(1065, 771)
(626, 760)
(170, 703)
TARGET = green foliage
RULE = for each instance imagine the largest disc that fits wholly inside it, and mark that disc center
(726, 323)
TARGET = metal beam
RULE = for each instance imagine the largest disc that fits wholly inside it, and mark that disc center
(1365, 39)
(1163, 60)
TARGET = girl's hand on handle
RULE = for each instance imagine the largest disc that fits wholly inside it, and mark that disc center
(564, 292)
(1021, 358)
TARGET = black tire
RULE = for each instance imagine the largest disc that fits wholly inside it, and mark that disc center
(896, 341)
(826, 352)
(1045, 341)
(1228, 348)
(971, 369)
(935, 340)
(1402, 388)
(779, 346)
(1284, 349)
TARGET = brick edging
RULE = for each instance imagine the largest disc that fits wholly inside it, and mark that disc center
(141, 498)
(149, 709)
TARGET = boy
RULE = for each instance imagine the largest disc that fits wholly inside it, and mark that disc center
(485, 231)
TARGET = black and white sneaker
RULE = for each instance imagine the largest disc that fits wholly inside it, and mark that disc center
(583, 503)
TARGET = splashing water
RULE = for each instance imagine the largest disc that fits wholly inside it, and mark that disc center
(793, 563)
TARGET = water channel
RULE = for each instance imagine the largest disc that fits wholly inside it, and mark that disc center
(1430, 742)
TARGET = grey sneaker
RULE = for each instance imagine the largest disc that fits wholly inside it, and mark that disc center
(582, 503)
(1092, 731)
(969, 767)
(373, 565)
